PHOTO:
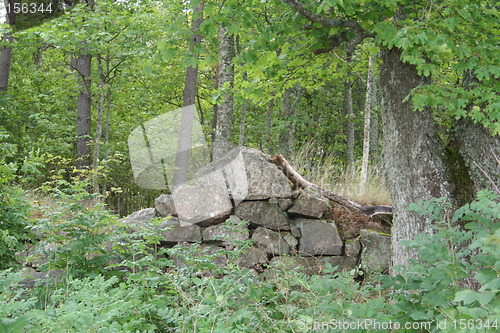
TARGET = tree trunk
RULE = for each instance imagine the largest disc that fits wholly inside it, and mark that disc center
(291, 97)
(413, 154)
(268, 128)
(349, 126)
(367, 128)
(83, 67)
(215, 108)
(374, 131)
(107, 127)
(479, 149)
(83, 149)
(243, 119)
(6, 56)
(222, 140)
(244, 105)
(98, 129)
(188, 111)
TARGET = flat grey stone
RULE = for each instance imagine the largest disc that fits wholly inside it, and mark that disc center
(264, 214)
(376, 253)
(270, 241)
(319, 238)
(173, 231)
(310, 203)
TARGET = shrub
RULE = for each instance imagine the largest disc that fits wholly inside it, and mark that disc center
(14, 210)
(466, 246)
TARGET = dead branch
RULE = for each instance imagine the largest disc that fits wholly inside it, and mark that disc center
(300, 183)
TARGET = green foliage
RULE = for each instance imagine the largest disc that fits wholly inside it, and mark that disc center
(75, 231)
(456, 42)
(432, 289)
(14, 210)
(138, 290)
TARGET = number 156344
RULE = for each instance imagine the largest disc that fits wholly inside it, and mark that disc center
(29, 8)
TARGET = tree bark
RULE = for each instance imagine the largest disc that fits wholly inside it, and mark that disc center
(188, 111)
(83, 148)
(222, 140)
(83, 67)
(243, 119)
(349, 126)
(6, 56)
(268, 128)
(413, 154)
(291, 97)
(367, 127)
(244, 105)
(374, 131)
(98, 129)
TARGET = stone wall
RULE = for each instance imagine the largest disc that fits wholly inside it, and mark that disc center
(284, 226)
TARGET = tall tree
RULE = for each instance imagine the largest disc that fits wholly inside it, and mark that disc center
(367, 126)
(417, 41)
(83, 67)
(187, 118)
(223, 129)
(6, 56)
(290, 99)
(349, 125)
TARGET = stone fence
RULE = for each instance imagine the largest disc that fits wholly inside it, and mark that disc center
(284, 226)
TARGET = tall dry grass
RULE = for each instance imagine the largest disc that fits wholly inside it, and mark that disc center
(329, 173)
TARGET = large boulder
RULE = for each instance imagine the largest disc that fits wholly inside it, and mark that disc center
(164, 205)
(310, 203)
(245, 174)
(200, 205)
(264, 214)
(270, 241)
(174, 231)
(319, 238)
(376, 254)
(229, 233)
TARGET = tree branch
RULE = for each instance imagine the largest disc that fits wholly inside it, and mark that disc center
(300, 183)
(308, 14)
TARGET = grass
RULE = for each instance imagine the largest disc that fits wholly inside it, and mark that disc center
(329, 173)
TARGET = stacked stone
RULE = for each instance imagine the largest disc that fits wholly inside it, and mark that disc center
(285, 226)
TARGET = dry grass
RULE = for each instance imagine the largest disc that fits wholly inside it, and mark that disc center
(329, 173)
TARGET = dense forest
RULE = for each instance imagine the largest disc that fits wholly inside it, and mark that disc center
(390, 102)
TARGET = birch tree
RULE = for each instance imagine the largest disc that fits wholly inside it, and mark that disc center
(367, 126)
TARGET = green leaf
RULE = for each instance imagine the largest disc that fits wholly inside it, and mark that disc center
(466, 296)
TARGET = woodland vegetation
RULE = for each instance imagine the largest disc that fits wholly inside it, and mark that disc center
(391, 102)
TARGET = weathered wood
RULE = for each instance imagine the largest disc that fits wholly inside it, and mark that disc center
(300, 183)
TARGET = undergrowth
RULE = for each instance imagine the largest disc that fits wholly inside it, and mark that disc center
(106, 276)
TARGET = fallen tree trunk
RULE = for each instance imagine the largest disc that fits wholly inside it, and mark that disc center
(300, 183)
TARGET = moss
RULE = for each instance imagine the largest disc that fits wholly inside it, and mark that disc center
(463, 186)
(379, 232)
